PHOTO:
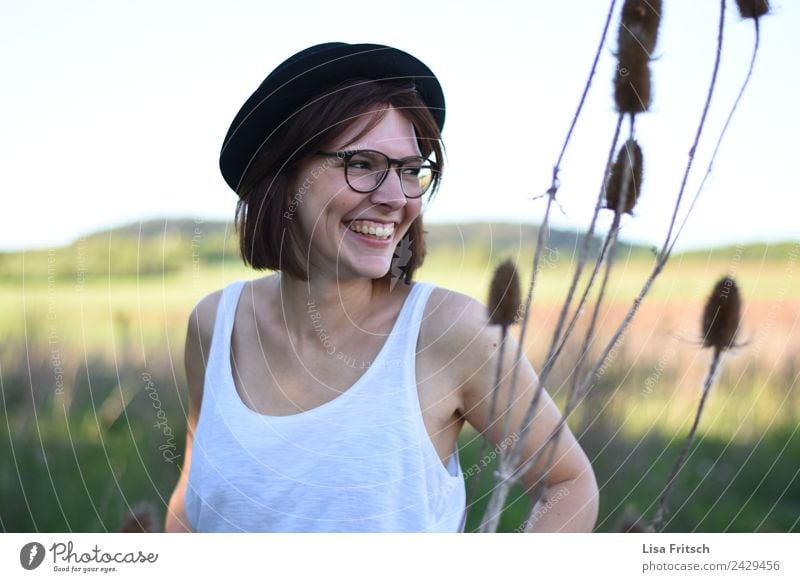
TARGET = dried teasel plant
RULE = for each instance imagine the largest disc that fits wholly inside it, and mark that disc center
(636, 39)
(632, 82)
(541, 239)
(753, 8)
(141, 518)
(722, 315)
(632, 19)
(628, 165)
(632, 525)
(720, 326)
(504, 295)
(640, 19)
(632, 28)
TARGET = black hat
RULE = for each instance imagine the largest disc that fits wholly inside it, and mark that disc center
(304, 76)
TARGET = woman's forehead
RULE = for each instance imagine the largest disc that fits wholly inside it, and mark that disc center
(391, 129)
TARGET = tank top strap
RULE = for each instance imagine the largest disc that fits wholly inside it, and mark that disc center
(223, 327)
(408, 326)
(227, 305)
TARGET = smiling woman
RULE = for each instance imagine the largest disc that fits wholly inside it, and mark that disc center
(332, 157)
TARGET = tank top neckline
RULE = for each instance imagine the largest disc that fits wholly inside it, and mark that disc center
(329, 405)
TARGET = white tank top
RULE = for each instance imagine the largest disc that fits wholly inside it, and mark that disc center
(362, 462)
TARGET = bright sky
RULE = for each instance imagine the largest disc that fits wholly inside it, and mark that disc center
(115, 111)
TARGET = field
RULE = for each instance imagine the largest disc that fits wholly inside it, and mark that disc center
(85, 358)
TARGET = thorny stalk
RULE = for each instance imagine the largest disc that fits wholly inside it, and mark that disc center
(551, 192)
(667, 249)
(549, 363)
(722, 133)
(509, 457)
(664, 497)
(551, 444)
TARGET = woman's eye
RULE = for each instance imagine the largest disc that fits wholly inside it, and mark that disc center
(360, 165)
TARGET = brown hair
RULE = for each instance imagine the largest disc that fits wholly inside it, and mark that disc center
(268, 237)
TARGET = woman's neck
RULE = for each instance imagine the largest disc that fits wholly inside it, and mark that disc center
(318, 307)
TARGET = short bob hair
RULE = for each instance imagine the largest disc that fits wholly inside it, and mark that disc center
(268, 236)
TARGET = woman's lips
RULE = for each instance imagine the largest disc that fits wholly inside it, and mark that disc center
(381, 235)
(370, 240)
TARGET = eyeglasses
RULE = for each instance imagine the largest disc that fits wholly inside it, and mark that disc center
(365, 171)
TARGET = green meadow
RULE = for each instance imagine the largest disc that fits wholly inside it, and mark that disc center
(91, 338)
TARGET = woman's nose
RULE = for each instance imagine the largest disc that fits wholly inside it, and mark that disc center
(390, 191)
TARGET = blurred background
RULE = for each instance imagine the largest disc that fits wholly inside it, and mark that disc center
(115, 222)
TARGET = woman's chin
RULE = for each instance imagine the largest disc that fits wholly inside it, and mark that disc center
(370, 269)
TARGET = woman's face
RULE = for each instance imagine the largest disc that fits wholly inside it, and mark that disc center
(328, 209)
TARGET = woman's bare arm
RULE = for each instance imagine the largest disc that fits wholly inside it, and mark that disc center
(572, 496)
(198, 342)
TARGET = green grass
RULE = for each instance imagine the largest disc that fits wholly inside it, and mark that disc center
(78, 477)
(79, 470)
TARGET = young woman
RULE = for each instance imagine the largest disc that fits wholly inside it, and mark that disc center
(329, 395)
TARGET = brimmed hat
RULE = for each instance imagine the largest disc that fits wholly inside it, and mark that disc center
(304, 76)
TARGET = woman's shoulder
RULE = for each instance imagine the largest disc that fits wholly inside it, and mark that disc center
(456, 325)
(201, 321)
(204, 313)
(454, 308)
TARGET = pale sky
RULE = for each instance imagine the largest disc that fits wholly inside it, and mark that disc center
(114, 112)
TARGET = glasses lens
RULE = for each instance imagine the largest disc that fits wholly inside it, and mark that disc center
(365, 170)
(424, 180)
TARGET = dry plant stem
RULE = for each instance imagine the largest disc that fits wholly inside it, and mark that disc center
(554, 186)
(510, 456)
(548, 365)
(667, 249)
(588, 338)
(540, 243)
(664, 497)
(587, 240)
(660, 260)
(474, 485)
(553, 357)
(722, 133)
(501, 470)
(551, 196)
(611, 240)
(551, 444)
(609, 246)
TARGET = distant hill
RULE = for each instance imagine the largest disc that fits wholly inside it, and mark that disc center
(167, 246)
(749, 252)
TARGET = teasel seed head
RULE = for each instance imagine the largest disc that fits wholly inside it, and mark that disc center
(641, 19)
(632, 526)
(629, 156)
(632, 79)
(753, 8)
(721, 315)
(140, 519)
(504, 295)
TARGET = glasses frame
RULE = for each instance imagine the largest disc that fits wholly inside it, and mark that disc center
(346, 156)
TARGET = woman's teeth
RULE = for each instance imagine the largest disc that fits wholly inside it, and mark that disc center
(383, 232)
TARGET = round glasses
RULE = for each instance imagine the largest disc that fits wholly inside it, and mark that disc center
(365, 171)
